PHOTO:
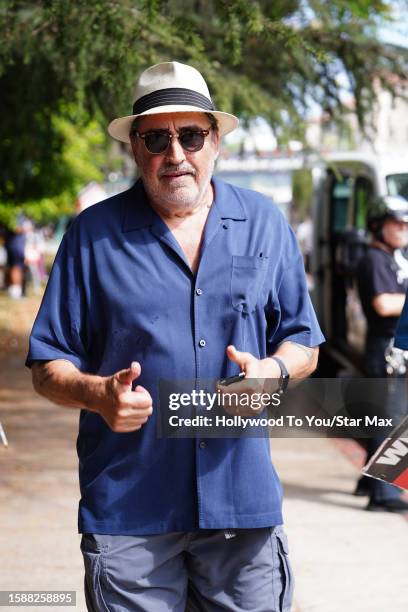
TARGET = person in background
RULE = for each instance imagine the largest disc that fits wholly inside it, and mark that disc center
(15, 247)
(3, 259)
(382, 277)
(304, 234)
(401, 333)
(33, 252)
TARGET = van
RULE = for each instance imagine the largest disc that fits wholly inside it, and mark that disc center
(344, 187)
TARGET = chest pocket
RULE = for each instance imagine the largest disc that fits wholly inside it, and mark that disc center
(247, 278)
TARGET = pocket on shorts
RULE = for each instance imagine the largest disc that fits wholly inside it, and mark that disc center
(92, 553)
(283, 580)
(247, 278)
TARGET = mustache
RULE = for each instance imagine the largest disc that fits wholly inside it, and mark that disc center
(170, 168)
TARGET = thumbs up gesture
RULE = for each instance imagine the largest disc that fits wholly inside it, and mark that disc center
(123, 409)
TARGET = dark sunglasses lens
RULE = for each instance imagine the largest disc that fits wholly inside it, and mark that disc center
(156, 142)
(192, 141)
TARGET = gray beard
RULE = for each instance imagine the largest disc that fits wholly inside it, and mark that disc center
(176, 202)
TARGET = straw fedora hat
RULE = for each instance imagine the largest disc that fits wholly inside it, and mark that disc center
(171, 87)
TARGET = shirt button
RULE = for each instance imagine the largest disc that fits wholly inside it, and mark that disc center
(202, 343)
(199, 291)
(202, 444)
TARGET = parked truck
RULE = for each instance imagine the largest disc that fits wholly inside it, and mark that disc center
(344, 187)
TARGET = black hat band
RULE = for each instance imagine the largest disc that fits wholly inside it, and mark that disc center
(172, 95)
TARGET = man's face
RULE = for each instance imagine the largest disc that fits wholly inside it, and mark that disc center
(176, 180)
(395, 233)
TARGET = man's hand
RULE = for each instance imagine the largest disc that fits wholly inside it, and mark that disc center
(253, 367)
(125, 410)
(258, 372)
(112, 397)
(261, 375)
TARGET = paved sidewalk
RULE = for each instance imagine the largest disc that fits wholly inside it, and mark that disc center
(38, 492)
(345, 559)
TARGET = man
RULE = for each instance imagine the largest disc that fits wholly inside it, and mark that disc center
(382, 281)
(181, 277)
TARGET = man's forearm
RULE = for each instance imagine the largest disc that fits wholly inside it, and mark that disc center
(62, 383)
(112, 397)
(389, 304)
(300, 360)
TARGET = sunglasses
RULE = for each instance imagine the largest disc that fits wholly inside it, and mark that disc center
(157, 141)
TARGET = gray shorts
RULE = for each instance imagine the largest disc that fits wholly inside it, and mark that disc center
(204, 571)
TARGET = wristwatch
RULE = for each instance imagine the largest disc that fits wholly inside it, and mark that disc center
(284, 377)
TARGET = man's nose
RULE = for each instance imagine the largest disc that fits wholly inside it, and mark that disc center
(175, 152)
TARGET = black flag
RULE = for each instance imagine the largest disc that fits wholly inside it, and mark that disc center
(390, 462)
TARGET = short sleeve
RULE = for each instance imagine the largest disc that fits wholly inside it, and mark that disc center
(290, 312)
(59, 330)
(380, 282)
(381, 278)
(375, 276)
(401, 334)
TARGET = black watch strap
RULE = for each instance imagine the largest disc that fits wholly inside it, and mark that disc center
(284, 377)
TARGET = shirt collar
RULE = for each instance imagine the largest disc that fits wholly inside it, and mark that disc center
(138, 213)
(228, 201)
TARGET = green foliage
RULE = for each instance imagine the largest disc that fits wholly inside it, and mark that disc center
(78, 60)
(82, 153)
(78, 162)
(67, 152)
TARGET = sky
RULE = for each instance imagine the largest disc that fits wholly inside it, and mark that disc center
(260, 135)
(396, 33)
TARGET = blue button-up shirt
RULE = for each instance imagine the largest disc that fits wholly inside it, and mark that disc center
(121, 290)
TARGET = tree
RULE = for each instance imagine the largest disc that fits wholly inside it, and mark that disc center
(259, 58)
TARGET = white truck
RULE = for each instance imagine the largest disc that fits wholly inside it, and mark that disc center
(344, 187)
